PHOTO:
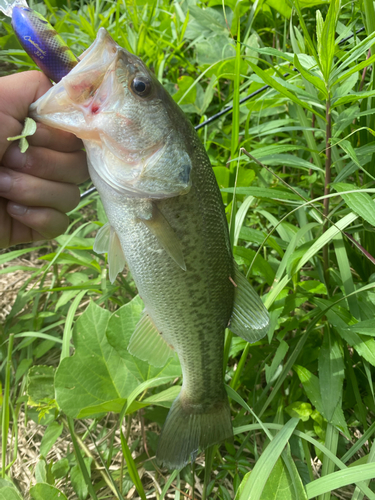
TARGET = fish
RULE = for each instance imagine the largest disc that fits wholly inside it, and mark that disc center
(166, 220)
(40, 40)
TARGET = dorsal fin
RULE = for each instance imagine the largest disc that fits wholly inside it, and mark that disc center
(250, 319)
(163, 231)
(147, 344)
(107, 241)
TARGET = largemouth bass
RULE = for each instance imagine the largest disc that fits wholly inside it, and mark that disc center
(167, 220)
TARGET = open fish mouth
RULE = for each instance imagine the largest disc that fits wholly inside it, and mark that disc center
(115, 105)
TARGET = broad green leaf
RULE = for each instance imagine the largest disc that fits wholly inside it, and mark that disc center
(184, 83)
(254, 485)
(96, 374)
(305, 4)
(40, 382)
(42, 491)
(78, 481)
(280, 6)
(99, 377)
(331, 373)
(281, 485)
(361, 203)
(50, 436)
(120, 328)
(310, 383)
(300, 410)
(60, 468)
(9, 493)
(41, 471)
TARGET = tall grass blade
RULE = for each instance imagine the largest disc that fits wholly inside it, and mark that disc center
(340, 479)
(132, 468)
(80, 461)
(5, 406)
(263, 467)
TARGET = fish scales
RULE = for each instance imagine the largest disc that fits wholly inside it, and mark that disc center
(199, 300)
(167, 220)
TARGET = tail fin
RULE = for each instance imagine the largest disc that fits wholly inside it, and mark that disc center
(186, 430)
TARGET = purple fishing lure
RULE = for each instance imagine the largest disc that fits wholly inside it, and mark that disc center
(40, 40)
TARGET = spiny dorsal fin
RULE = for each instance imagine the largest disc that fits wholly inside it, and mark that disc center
(147, 344)
(107, 241)
(250, 319)
(162, 230)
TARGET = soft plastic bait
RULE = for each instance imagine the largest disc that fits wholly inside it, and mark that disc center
(39, 39)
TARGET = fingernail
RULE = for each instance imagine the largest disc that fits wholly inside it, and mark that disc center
(15, 209)
(5, 182)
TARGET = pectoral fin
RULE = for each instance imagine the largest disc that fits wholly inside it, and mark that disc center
(147, 344)
(107, 241)
(162, 230)
(101, 243)
(250, 319)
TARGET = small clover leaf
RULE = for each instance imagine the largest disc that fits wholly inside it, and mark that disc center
(28, 129)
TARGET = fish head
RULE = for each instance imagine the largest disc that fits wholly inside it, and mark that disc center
(126, 120)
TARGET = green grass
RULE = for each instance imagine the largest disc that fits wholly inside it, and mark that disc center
(307, 185)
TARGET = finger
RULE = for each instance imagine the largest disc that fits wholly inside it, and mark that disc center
(9, 127)
(51, 138)
(35, 224)
(48, 164)
(32, 191)
(18, 91)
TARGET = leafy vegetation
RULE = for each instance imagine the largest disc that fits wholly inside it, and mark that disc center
(296, 167)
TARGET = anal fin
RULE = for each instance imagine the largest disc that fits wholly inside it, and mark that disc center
(163, 231)
(147, 344)
(250, 319)
(107, 241)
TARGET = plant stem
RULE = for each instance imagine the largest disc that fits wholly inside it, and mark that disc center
(240, 366)
(326, 185)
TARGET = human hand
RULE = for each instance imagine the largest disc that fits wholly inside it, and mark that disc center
(37, 187)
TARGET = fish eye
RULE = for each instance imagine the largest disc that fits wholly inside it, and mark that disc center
(141, 86)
